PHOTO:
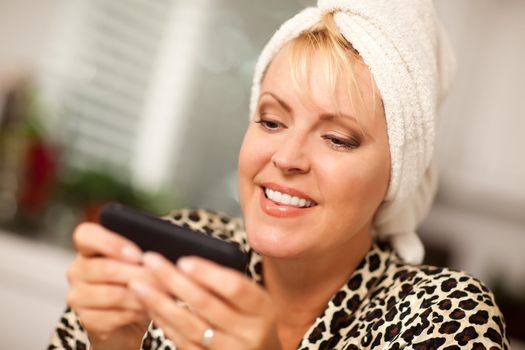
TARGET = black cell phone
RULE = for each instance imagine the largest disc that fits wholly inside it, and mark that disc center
(154, 234)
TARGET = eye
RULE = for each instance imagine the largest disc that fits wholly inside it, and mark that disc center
(269, 124)
(340, 143)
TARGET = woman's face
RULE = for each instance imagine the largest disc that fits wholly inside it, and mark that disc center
(311, 179)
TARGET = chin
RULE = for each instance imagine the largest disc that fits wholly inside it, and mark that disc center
(273, 243)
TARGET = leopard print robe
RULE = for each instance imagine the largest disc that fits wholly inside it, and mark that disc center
(385, 304)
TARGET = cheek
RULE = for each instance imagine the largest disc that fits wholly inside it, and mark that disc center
(253, 156)
(357, 185)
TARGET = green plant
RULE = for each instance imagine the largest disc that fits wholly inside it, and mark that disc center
(84, 188)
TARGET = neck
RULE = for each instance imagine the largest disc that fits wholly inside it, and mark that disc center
(301, 287)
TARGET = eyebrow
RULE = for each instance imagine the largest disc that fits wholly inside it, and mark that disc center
(332, 116)
(283, 104)
(323, 116)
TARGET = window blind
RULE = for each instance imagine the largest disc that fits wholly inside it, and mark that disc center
(97, 76)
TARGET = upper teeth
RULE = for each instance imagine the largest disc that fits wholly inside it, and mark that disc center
(286, 199)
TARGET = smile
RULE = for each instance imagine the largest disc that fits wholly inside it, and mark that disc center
(286, 199)
(284, 202)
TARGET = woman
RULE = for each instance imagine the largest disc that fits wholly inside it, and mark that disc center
(334, 175)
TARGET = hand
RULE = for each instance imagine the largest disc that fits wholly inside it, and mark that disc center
(98, 293)
(239, 311)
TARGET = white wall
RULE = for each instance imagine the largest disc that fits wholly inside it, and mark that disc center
(25, 27)
(480, 145)
(481, 137)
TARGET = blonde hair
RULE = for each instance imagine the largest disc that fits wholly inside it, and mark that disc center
(337, 58)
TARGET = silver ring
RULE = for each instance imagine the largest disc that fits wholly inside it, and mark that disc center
(207, 337)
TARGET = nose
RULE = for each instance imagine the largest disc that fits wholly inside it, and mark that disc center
(291, 156)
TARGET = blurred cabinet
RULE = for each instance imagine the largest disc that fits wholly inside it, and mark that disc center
(32, 290)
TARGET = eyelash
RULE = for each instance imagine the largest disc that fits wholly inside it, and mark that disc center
(340, 144)
(264, 123)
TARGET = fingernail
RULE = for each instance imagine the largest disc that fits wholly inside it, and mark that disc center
(131, 253)
(186, 264)
(151, 260)
(139, 288)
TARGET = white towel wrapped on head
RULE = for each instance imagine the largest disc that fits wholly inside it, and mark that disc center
(404, 46)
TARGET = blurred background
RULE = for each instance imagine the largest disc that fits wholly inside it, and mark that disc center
(146, 102)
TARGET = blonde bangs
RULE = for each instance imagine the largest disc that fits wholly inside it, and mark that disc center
(336, 58)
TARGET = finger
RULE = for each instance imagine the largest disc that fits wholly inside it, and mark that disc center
(103, 296)
(101, 322)
(216, 311)
(104, 270)
(242, 293)
(174, 335)
(220, 340)
(180, 324)
(92, 239)
(164, 308)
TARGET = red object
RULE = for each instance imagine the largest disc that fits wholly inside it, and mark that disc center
(38, 178)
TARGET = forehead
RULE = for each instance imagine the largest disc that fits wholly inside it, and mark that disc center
(318, 81)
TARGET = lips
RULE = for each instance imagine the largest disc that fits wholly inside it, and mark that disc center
(287, 190)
